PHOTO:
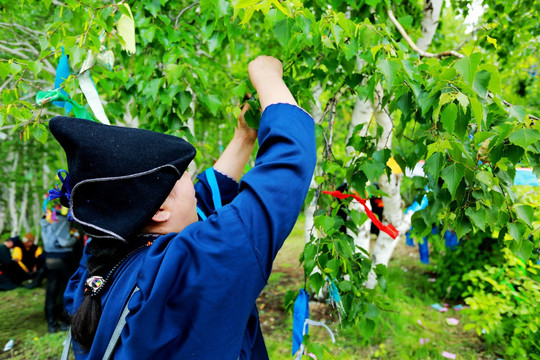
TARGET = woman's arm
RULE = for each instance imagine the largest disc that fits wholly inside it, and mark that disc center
(233, 160)
(266, 75)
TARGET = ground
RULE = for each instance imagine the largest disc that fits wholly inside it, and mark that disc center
(397, 334)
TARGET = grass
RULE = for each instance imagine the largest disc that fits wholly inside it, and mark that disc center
(396, 336)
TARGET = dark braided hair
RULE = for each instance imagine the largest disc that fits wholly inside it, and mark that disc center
(104, 254)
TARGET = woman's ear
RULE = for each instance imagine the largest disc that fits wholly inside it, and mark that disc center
(161, 215)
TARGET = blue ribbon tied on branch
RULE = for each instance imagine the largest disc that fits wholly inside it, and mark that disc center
(62, 73)
(301, 323)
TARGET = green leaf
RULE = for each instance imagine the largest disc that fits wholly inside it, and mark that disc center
(433, 164)
(466, 67)
(480, 137)
(40, 133)
(152, 88)
(153, 6)
(438, 146)
(283, 30)
(345, 286)
(477, 111)
(485, 177)
(492, 41)
(185, 98)
(253, 115)
(326, 223)
(327, 42)
(525, 213)
(125, 9)
(517, 112)
(389, 68)
(452, 176)
(478, 217)
(463, 100)
(524, 137)
(522, 249)
(481, 83)
(14, 67)
(494, 80)
(212, 102)
(336, 31)
(517, 229)
(333, 265)
(449, 116)
(372, 311)
(462, 226)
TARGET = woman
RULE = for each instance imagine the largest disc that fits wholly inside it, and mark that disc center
(187, 284)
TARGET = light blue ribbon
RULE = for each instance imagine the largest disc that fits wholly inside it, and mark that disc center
(62, 73)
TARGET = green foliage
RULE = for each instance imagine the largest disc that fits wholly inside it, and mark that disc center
(188, 58)
(472, 253)
(504, 305)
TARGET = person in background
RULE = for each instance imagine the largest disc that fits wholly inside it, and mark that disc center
(58, 243)
(27, 255)
(7, 265)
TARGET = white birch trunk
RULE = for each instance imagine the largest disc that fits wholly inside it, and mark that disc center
(315, 109)
(393, 212)
(23, 216)
(3, 209)
(192, 168)
(362, 114)
(12, 205)
(129, 119)
(430, 21)
(36, 215)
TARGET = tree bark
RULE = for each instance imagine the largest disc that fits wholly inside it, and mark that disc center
(12, 205)
(393, 212)
(23, 216)
(315, 109)
(362, 114)
(430, 21)
(192, 168)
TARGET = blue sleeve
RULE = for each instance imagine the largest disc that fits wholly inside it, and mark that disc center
(273, 192)
(213, 191)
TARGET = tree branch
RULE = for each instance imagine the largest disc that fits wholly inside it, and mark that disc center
(182, 12)
(469, 38)
(14, 52)
(439, 55)
(31, 32)
(413, 45)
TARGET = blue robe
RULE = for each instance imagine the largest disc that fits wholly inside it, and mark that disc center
(198, 287)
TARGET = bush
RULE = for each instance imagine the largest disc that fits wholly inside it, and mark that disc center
(472, 253)
(504, 306)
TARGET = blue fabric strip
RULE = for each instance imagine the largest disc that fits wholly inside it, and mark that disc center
(201, 213)
(62, 73)
(212, 181)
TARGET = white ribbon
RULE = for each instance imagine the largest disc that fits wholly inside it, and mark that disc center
(89, 90)
(314, 323)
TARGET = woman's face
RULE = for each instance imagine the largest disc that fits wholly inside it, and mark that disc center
(181, 204)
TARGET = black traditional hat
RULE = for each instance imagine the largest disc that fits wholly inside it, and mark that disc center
(118, 176)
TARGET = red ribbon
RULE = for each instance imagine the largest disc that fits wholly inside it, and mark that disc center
(390, 229)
